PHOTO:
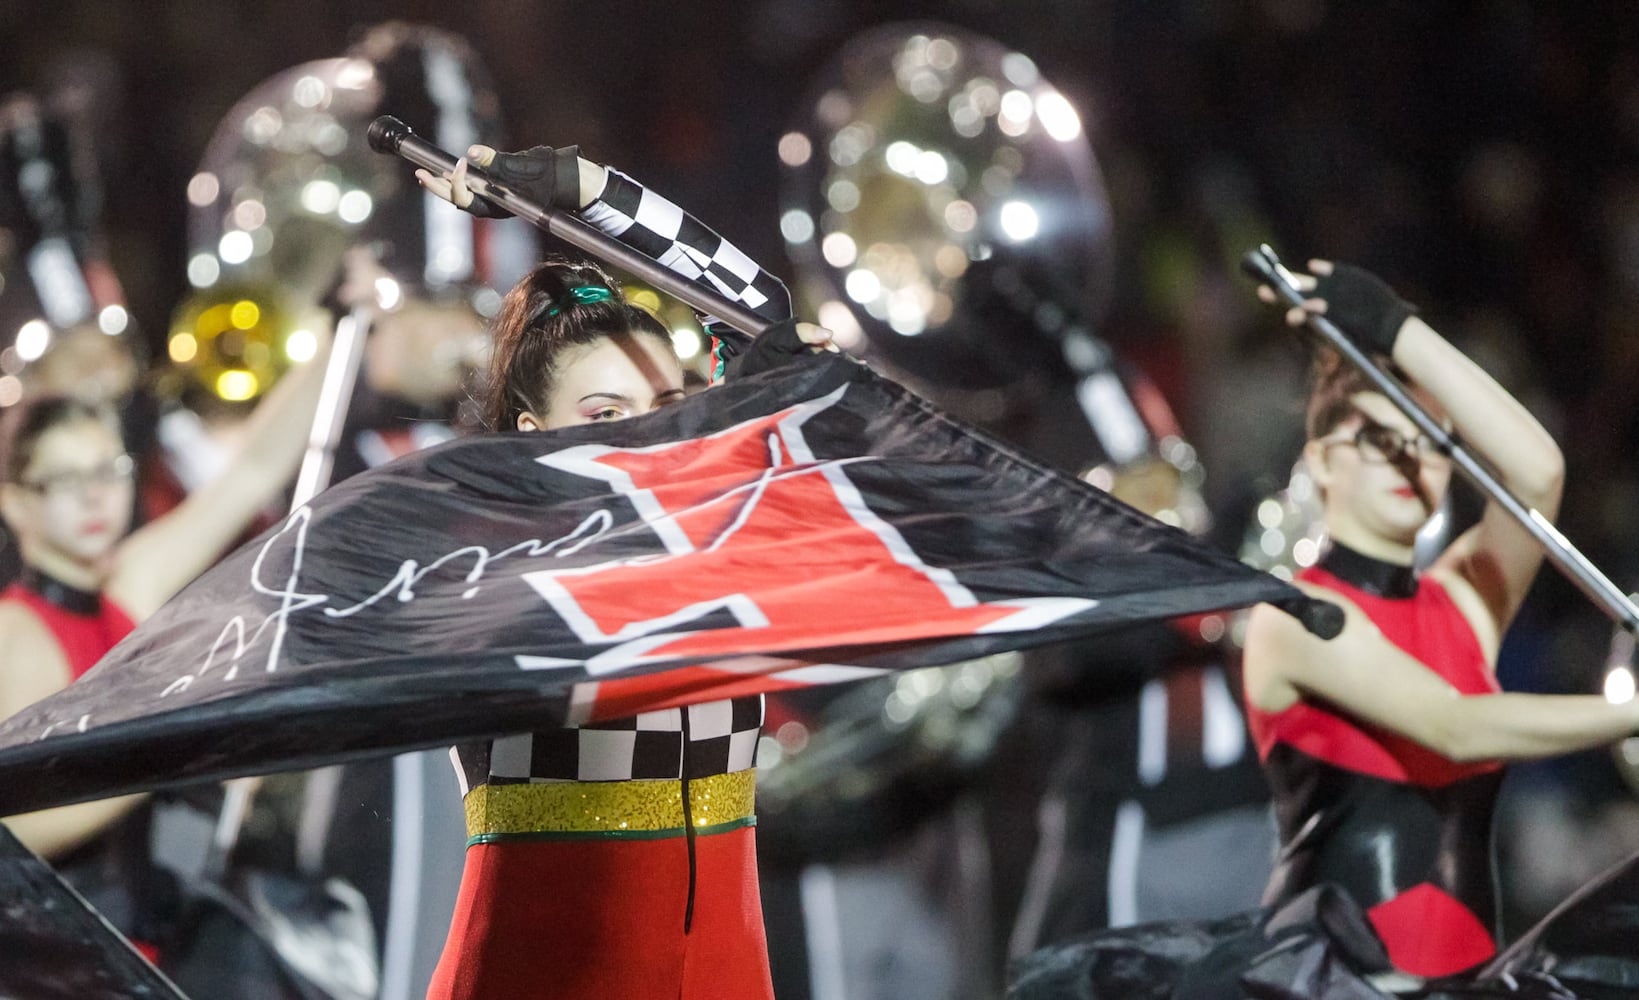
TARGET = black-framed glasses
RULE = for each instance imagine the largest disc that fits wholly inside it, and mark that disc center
(1382, 444)
(114, 472)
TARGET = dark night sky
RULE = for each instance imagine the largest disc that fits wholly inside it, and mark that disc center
(1478, 154)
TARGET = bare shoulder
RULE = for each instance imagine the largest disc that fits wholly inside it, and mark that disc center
(1275, 629)
(1280, 652)
(32, 665)
(20, 627)
(1487, 570)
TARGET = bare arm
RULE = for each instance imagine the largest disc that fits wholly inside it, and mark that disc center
(1367, 677)
(31, 668)
(161, 558)
(1497, 558)
(641, 218)
(1493, 564)
(51, 833)
(1486, 417)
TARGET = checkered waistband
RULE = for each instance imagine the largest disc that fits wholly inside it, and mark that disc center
(637, 810)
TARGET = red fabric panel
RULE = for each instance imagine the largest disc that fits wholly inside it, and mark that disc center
(553, 920)
(1430, 627)
(732, 543)
(624, 697)
(1428, 933)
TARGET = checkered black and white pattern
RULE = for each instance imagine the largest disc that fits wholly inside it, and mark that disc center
(662, 231)
(720, 738)
(700, 740)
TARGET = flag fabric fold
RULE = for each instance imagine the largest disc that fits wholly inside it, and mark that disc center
(811, 525)
(55, 946)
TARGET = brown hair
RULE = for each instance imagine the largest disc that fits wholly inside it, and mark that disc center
(26, 424)
(538, 319)
(1331, 400)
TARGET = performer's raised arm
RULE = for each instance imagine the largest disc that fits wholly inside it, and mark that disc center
(65, 490)
(1496, 560)
(160, 558)
(647, 222)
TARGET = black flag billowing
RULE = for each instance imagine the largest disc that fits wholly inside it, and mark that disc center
(55, 946)
(807, 527)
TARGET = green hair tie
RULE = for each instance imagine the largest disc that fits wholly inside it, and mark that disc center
(584, 295)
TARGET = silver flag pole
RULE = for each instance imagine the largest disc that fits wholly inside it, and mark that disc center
(391, 136)
(340, 373)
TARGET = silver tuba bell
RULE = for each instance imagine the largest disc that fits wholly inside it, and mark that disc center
(931, 176)
(926, 152)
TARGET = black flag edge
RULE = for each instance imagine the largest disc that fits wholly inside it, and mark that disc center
(224, 737)
(251, 732)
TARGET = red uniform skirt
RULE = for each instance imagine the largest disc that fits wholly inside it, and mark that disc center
(549, 915)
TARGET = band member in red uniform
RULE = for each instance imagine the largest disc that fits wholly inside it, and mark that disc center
(616, 859)
(66, 494)
(1385, 746)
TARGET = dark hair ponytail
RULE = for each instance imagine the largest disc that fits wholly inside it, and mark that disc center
(555, 306)
(24, 425)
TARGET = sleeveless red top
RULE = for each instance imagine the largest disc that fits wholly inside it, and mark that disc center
(83, 635)
(86, 626)
(1430, 627)
(1406, 831)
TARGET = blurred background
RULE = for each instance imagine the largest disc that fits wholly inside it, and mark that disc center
(1477, 154)
(1480, 156)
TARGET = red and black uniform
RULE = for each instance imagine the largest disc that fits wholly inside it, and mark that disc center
(618, 859)
(112, 870)
(86, 625)
(1406, 831)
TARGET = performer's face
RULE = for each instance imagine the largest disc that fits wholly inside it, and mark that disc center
(1367, 485)
(609, 379)
(73, 501)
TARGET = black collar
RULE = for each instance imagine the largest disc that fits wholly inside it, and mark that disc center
(1374, 576)
(80, 602)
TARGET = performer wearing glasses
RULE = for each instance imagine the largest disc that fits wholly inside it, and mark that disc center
(1385, 746)
(66, 494)
(1378, 443)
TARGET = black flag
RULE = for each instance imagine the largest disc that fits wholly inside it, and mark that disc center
(54, 946)
(804, 527)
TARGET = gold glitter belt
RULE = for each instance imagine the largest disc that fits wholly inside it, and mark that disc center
(636, 810)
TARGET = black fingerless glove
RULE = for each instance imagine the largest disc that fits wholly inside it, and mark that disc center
(1363, 306)
(778, 345)
(549, 177)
